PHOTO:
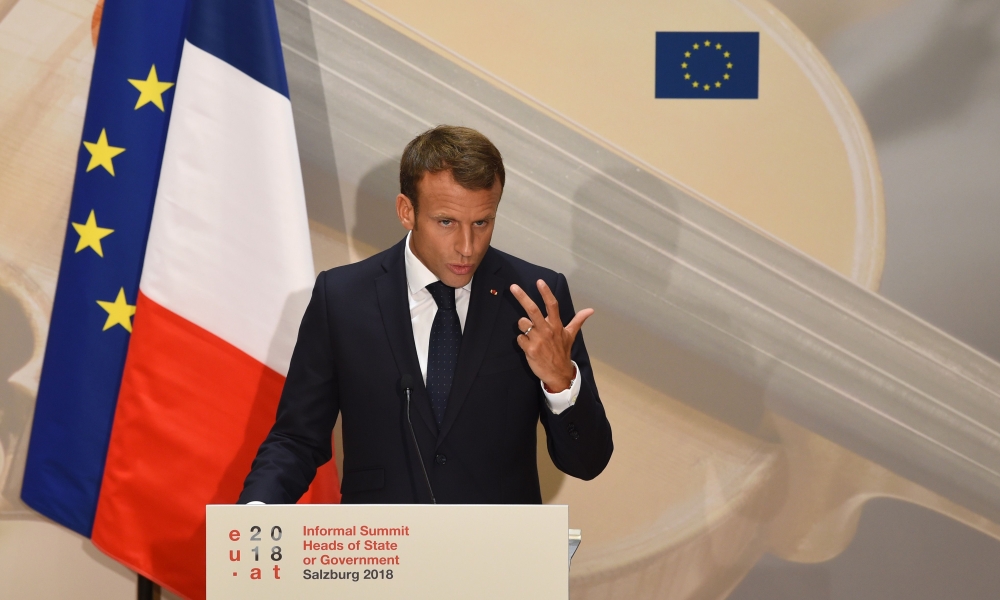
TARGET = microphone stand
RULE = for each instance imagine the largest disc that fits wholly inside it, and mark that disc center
(407, 385)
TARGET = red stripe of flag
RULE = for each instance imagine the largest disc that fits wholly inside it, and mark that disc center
(191, 413)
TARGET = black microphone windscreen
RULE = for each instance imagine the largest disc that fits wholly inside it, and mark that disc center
(407, 382)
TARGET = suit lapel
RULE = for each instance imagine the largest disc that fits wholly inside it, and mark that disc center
(479, 324)
(392, 302)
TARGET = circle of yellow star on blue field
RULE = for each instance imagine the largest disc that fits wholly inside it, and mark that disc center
(706, 46)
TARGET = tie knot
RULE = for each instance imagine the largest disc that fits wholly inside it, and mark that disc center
(443, 295)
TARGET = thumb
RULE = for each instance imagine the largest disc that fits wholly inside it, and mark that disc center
(573, 327)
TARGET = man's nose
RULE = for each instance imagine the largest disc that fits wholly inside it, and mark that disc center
(464, 246)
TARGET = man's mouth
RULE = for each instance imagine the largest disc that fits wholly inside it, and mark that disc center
(459, 269)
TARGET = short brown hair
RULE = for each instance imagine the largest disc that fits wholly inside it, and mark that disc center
(473, 160)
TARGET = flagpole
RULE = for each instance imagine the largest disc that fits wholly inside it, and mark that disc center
(147, 590)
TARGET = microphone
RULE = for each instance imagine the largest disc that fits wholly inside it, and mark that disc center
(407, 383)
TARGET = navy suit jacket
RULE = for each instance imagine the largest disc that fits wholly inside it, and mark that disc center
(355, 344)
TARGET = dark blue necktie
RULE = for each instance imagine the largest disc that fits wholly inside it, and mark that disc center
(442, 352)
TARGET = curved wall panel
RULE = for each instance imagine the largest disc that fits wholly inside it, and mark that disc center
(693, 306)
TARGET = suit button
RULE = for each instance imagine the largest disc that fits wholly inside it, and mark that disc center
(573, 433)
(440, 459)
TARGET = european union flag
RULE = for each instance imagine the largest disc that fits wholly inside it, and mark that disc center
(707, 64)
(118, 167)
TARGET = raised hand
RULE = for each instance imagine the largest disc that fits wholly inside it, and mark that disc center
(545, 341)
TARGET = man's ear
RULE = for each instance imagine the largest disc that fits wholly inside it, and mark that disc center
(404, 210)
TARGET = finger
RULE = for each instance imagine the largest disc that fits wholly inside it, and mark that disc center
(523, 324)
(574, 326)
(528, 305)
(522, 341)
(551, 305)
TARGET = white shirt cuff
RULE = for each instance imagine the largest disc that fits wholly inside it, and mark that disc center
(255, 502)
(560, 401)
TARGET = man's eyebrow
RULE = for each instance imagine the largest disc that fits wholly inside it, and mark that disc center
(491, 215)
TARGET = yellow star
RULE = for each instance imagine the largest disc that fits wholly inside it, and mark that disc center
(706, 87)
(717, 84)
(688, 54)
(718, 46)
(91, 235)
(150, 89)
(696, 46)
(725, 54)
(729, 65)
(695, 84)
(684, 65)
(119, 312)
(101, 153)
(726, 76)
(687, 76)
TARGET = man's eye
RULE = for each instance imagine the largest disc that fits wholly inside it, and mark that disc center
(479, 223)
(445, 222)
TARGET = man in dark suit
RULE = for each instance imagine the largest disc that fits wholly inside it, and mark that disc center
(457, 325)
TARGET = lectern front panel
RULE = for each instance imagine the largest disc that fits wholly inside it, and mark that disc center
(386, 551)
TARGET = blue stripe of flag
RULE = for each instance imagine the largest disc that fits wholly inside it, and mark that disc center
(243, 33)
(83, 364)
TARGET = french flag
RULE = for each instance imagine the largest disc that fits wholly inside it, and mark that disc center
(224, 275)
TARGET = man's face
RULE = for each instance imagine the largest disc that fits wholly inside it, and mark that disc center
(453, 228)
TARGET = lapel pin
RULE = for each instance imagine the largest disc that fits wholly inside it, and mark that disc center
(494, 292)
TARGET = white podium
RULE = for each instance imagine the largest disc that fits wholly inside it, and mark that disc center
(387, 551)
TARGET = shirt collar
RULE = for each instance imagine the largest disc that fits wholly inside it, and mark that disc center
(418, 276)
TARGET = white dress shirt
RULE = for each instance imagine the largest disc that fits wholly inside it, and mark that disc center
(423, 308)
